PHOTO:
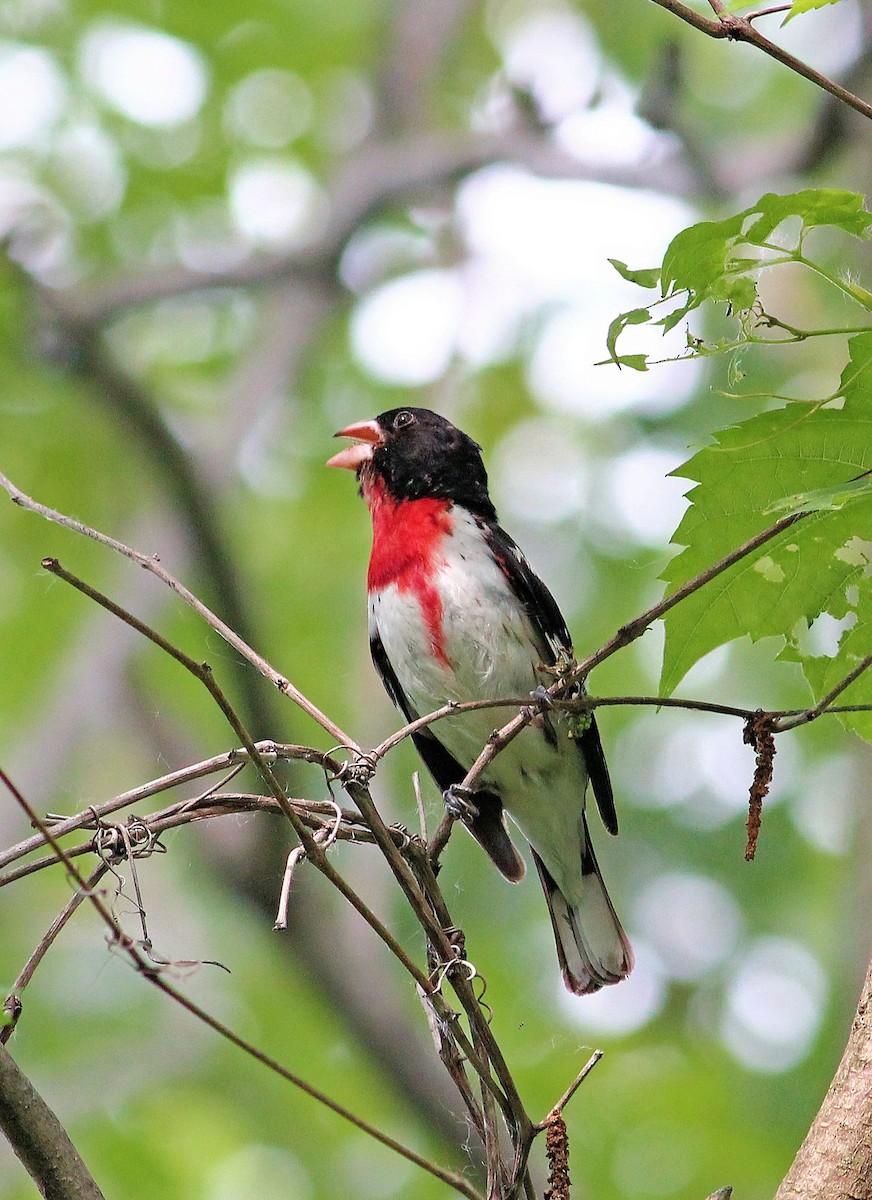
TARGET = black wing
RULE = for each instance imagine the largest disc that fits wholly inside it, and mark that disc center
(553, 636)
(488, 827)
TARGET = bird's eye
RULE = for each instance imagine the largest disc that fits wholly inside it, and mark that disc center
(404, 418)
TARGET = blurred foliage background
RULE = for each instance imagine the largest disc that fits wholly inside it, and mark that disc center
(232, 230)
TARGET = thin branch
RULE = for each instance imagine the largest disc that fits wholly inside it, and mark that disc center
(269, 749)
(209, 766)
(152, 974)
(513, 1108)
(583, 704)
(825, 705)
(426, 877)
(740, 29)
(625, 635)
(323, 816)
(573, 1087)
(12, 1004)
(153, 565)
(203, 672)
(314, 852)
(767, 12)
(315, 814)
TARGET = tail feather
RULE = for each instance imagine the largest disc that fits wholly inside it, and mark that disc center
(488, 828)
(592, 948)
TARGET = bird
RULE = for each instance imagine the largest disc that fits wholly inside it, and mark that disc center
(456, 613)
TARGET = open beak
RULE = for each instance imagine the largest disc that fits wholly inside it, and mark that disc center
(369, 436)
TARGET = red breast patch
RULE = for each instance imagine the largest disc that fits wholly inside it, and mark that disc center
(406, 539)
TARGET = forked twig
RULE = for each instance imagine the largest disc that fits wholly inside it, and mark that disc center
(735, 28)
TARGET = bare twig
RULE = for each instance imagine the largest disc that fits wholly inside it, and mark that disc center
(826, 705)
(513, 1108)
(624, 636)
(153, 975)
(419, 804)
(740, 29)
(203, 672)
(12, 1004)
(583, 704)
(153, 565)
(324, 837)
(573, 1087)
(209, 766)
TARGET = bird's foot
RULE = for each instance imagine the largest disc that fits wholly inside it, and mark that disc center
(459, 803)
(544, 696)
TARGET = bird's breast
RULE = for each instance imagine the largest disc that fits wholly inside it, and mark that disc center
(449, 622)
(407, 542)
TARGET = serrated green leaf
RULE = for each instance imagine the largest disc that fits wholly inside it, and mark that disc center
(809, 568)
(801, 6)
(814, 207)
(648, 277)
(696, 257)
(824, 673)
(709, 260)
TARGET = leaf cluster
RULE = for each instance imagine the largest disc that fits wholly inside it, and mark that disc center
(810, 458)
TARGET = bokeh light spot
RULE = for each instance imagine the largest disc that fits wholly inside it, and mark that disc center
(774, 1005)
(145, 74)
(406, 330)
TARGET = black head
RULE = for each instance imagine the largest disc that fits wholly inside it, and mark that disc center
(418, 454)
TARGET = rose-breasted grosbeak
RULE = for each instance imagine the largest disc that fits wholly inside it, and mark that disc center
(457, 614)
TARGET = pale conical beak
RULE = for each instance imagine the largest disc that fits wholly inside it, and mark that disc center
(369, 436)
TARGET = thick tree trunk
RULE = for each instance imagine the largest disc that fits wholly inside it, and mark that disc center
(835, 1160)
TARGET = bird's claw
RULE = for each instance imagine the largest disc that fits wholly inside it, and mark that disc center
(459, 803)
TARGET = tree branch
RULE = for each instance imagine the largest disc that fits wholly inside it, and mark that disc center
(152, 973)
(38, 1138)
(153, 565)
(625, 635)
(740, 29)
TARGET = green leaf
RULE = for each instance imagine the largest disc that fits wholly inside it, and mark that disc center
(831, 497)
(815, 566)
(647, 278)
(709, 261)
(695, 258)
(824, 673)
(801, 6)
(815, 207)
(637, 316)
